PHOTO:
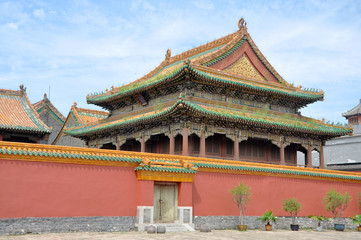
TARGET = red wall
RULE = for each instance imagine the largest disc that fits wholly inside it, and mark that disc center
(35, 189)
(145, 193)
(211, 194)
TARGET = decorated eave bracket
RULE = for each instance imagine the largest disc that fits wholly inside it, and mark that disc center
(141, 99)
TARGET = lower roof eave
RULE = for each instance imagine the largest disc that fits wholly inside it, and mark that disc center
(191, 110)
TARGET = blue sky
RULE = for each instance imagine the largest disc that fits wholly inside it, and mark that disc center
(81, 47)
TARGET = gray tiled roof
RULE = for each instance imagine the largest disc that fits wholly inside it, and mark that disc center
(355, 111)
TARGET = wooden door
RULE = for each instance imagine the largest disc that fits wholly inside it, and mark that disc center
(165, 203)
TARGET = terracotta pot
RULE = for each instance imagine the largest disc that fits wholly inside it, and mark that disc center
(242, 227)
(268, 227)
(359, 228)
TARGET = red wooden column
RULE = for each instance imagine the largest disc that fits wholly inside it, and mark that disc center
(322, 158)
(202, 143)
(117, 145)
(236, 149)
(171, 143)
(1, 137)
(185, 141)
(309, 156)
(282, 154)
(142, 145)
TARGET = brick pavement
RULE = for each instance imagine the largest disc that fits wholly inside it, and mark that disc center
(214, 235)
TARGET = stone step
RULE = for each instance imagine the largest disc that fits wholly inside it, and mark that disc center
(177, 227)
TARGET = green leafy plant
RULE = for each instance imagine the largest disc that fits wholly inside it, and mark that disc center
(319, 219)
(241, 196)
(336, 202)
(268, 217)
(356, 219)
(292, 206)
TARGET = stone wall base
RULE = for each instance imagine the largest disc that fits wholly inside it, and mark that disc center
(10, 226)
(231, 222)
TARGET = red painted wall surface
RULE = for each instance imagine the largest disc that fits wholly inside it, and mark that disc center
(185, 194)
(211, 194)
(145, 193)
(35, 189)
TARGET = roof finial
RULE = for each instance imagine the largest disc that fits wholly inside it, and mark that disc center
(22, 88)
(45, 96)
(242, 25)
(167, 54)
(74, 105)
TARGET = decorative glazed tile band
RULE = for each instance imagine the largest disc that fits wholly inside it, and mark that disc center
(178, 168)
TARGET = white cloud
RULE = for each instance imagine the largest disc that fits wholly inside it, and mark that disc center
(202, 4)
(13, 26)
(39, 13)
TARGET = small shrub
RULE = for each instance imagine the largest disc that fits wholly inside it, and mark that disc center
(268, 217)
(319, 219)
(356, 219)
(293, 207)
(336, 202)
(241, 196)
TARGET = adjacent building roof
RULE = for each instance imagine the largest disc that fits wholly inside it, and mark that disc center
(18, 115)
(233, 60)
(46, 105)
(81, 117)
(353, 112)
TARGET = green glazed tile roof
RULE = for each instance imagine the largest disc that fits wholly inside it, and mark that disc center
(24, 151)
(220, 78)
(247, 116)
(165, 169)
(275, 169)
(256, 86)
(167, 71)
(291, 121)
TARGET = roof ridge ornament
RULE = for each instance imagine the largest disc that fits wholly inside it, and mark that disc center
(22, 89)
(74, 105)
(168, 54)
(242, 25)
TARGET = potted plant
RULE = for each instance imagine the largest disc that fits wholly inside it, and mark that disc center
(319, 220)
(241, 195)
(293, 207)
(267, 218)
(357, 220)
(336, 203)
